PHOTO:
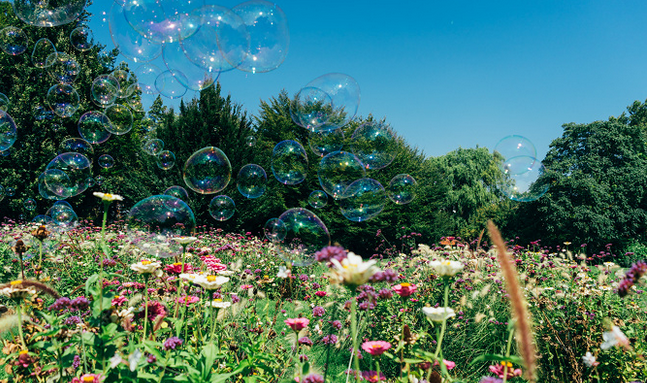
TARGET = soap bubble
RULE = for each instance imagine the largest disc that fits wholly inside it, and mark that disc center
(326, 142)
(78, 145)
(177, 192)
(62, 67)
(77, 168)
(345, 95)
(106, 161)
(274, 230)
(2, 192)
(153, 147)
(126, 88)
(521, 182)
(48, 13)
(305, 234)
(29, 204)
(269, 35)
(222, 208)
(162, 214)
(169, 85)
(187, 73)
(42, 50)
(4, 103)
(515, 146)
(402, 189)
(43, 190)
(13, 41)
(82, 38)
(366, 199)
(375, 144)
(146, 75)
(99, 180)
(318, 199)
(63, 99)
(91, 182)
(105, 90)
(161, 22)
(289, 162)
(57, 184)
(121, 119)
(63, 214)
(251, 181)
(131, 44)
(207, 171)
(42, 219)
(10, 191)
(93, 127)
(311, 108)
(157, 245)
(166, 160)
(8, 131)
(251, 141)
(337, 171)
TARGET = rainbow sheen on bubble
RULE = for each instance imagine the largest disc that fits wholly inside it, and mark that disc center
(105, 90)
(177, 192)
(169, 84)
(274, 230)
(8, 131)
(10, 191)
(402, 189)
(207, 171)
(337, 171)
(146, 75)
(289, 162)
(365, 200)
(5, 104)
(106, 161)
(324, 143)
(305, 234)
(63, 100)
(51, 13)
(82, 38)
(13, 41)
(93, 127)
(375, 144)
(515, 146)
(522, 179)
(153, 146)
(75, 144)
(62, 67)
(162, 214)
(121, 119)
(222, 207)
(165, 160)
(42, 50)
(251, 181)
(29, 204)
(251, 141)
(345, 94)
(131, 44)
(318, 199)
(311, 108)
(186, 72)
(77, 168)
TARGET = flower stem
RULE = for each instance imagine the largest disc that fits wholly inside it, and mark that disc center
(439, 340)
(40, 258)
(179, 286)
(507, 354)
(146, 306)
(353, 329)
(106, 204)
(22, 337)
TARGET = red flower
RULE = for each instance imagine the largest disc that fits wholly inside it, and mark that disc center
(176, 268)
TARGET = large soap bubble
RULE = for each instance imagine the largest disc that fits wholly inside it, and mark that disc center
(305, 234)
(345, 95)
(153, 146)
(375, 144)
(326, 142)
(402, 189)
(365, 200)
(274, 230)
(42, 50)
(77, 167)
(5, 104)
(162, 21)
(131, 44)
(58, 184)
(169, 84)
(166, 160)
(13, 41)
(105, 90)
(207, 171)
(318, 199)
(289, 162)
(251, 181)
(269, 35)
(62, 67)
(221, 208)
(63, 215)
(63, 100)
(8, 131)
(48, 13)
(311, 108)
(193, 77)
(337, 171)
(93, 127)
(121, 119)
(75, 144)
(177, 192)
(515, 146)
(43, 190)
(521, 180)
(146, 75)
(162, 214)
(82, 38)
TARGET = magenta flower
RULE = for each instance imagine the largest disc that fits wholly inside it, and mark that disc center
(376, 348)
(448, 363)
(405, 289)
(297, 324)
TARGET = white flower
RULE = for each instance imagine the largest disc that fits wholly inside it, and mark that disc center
(134, 359)
(438, 314)
(147, 267)
(446, 268)
(16, 290)
(189, 276)
(352, 270)
(613, 338)
(589, 360)
(219, 304)
(185, 240)
(284, 272)
(225, 273)
(115, 361)
(108, 197)
(210, 282)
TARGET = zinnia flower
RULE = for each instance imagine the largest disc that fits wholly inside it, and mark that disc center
(446, 268)
(353, 271)
(438, 314)
(297, 324)
(147, 267)
(108, 197)
(16, 290)
(376, 348)
(405, 289)
(498, 370)
(185, 240)
(210, 282)
(219, 304)
(88, 378)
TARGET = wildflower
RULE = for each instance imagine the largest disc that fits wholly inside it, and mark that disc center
(155, 309)
(446, 268)
(438, 314)
(589, 360)
(108, 197)
(16, 290)
(187, 300)
(219, 304)
(636, 271)
(73, 320)
(133, 360)
(297, 324)
(498, 370)
(87, 378)
(613, 338)
(284, 272)
(178, 268)
(24, 359)
(118, 301)
(147, 267)
(172, 342)
(388, 275)
(185, 240)
(321, 294)
(353, 271)
(490, 379)
(40, 233)
(405, 289)
(313, 378)
(318, 311)
(210, 282)
(336, 324)
(448, 364)
(328, 253)
(329, 339)
(305, 341)
(234, 298)
(376, 348)
(371, 376)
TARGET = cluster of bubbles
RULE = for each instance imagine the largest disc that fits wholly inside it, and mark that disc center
(521, 169)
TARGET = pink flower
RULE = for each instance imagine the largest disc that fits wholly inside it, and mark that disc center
(498, 369)
(321, 294)
(371, 376)
(188, 300)
(404, 289)
(376, 348)
(176, 268)
(297, 324)
(245, 287)
(118, 301)
(87, 378)
(448, 363)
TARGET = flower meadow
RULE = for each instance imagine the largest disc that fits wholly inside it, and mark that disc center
(90, 304)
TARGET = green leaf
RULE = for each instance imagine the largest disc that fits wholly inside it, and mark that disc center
(498, 358)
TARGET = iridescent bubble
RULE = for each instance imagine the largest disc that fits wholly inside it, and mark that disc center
(269, 35)
(106, 161)
(251, 181)
(157, 245)
(522, 179)
(136, 103)
(207, 171)
(8, 131)
(153, 147)
(105, 90)
(169, 85)
(10, 191)
(366, 199)
(43, 190)
(77, 167)
(48, 13)
(516, 146)
(62, 214)
(13, 41)
(289, 162)
(146, 75)
(274, 230)
(162, 214)
(177, 192)
(402, 189)
(126, 83)
(251, 141)
(42, 219)
(91, 182)
(62, 67)
(161, 21)
(29, 204)
(147, 124)
(318, 199)
(375, 144)
(166, 160)
(305, 234)
(337, 171)
(63, 100)
(93, 127)
(326, 142)
(4, 103)
(121, 119)
(311, 108)
(99, 180)
(192, 76)
(82, 38)
(131, 44)
(42, 50)
(222, 208)
(57, 184)
(78, 145)
(345, 95)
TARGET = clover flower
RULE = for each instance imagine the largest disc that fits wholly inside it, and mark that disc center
(636, 271)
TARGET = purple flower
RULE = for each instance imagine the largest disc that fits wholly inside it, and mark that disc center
(329, 253)
(385, 294)
(61, 304)
(305, 341)
(234, 298)
(336, 324)
(318, 311)
(388, 275)
(303, 278)
(636, 271)
(490, 379)
(76, 362)
(80, 303)
(313, 378)
(329, 339)
(172, 342)
(73, 320)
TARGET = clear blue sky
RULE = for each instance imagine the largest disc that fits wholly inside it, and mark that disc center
(460, 73)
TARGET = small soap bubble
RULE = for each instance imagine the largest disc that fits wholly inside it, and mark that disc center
(326, 142)
(42, 219)
(121, 119)
(305, 234)
(311, 108)
(169, 85)
(153, 146)
(106, 161)
(91, 182)
(251, 181)
(10, 191)
(78, 145)
(99, 180)
(289, 162)
(337, 171)
(29, 204)
(521, 180)
(62, 67)
(274, 230)
(162, 214)
(93, 127)
(366, 199)
(8, 131)
(166, 160)
(318, 199)
(13, 41)
(375, 144)
(207, 171)
(251, 141)
(222, 208)
(82, 38)
(105, 90)
(63, 100)
(42, 50)
(177, 192)
(402, 189)
(63, 215)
